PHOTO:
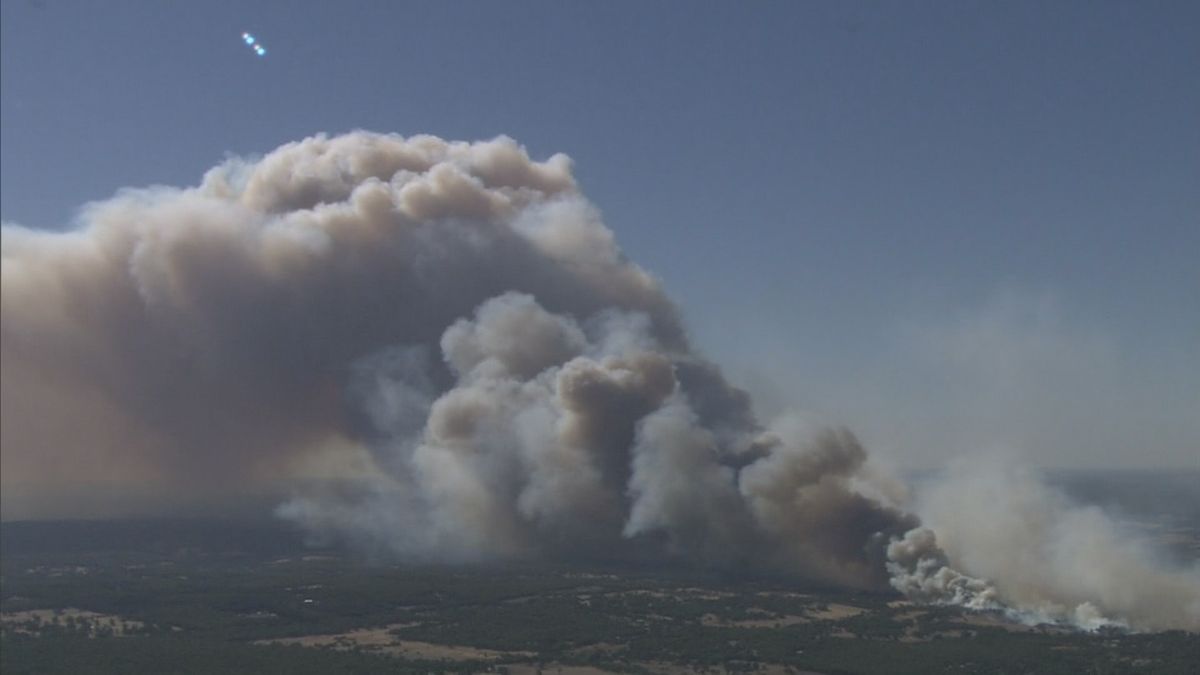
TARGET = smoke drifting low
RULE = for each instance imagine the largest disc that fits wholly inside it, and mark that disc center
(1046, 559)
(439, 350)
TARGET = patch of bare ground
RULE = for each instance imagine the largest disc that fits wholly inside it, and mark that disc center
(428, 650)
(835, 612)
(597, 649)
(790, 595)
(35, 621)
(555, 669)
(381, 640)
(766, 619)
(664, 668)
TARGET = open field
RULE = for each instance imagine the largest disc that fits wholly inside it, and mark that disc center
(385, 640)
(194, 597)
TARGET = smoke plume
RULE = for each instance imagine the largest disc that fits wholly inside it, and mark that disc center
(438, 350)
(1044, 558)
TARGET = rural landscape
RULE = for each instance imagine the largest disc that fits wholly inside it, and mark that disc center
(203, 596)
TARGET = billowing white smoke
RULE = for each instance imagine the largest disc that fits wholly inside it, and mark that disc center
(449, 334)
(1046, 560)
(203, 338)
(571, 438)
(921, 571)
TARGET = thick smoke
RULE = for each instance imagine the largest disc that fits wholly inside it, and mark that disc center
(202, 339)
(565, 437)
(438, 349)
(1046, 559)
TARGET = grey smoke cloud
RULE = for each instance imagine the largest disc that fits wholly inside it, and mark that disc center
(439, 351)
(201, 338)
(1044, 558)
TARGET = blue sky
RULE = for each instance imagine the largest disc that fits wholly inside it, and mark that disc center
(951, 225)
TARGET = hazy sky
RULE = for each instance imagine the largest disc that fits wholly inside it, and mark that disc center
(953, 225)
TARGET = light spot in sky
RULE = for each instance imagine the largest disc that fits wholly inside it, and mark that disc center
(253, 43)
